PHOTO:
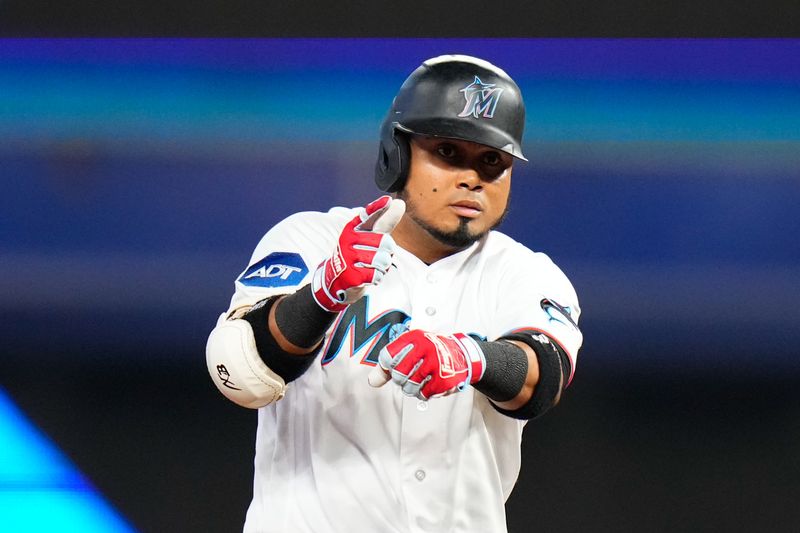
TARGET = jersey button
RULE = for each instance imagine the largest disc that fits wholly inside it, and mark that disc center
(422, 405)
(419, 474)
(431, 278)
(430, 311)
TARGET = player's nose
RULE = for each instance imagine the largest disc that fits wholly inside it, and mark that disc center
(469, 178)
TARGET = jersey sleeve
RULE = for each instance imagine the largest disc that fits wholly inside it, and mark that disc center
(285, 258)
(535, 295)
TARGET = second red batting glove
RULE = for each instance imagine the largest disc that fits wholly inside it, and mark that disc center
(426, 365)
(362, 257)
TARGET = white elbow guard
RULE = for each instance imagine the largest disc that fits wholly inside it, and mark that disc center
(236, 368)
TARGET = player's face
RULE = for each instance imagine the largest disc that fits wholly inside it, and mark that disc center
(456, 190)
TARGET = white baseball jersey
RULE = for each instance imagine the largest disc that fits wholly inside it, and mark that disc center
(335, 454)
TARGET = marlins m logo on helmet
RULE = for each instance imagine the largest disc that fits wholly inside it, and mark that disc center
(481, 99)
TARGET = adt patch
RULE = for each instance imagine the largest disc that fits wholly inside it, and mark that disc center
(278, 269)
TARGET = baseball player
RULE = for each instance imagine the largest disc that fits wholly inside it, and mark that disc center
(396, 351)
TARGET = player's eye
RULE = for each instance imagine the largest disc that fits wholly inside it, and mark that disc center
(446, 150)
(492, 159)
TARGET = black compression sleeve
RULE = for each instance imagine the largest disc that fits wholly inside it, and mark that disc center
(301, 320)
(506, 370)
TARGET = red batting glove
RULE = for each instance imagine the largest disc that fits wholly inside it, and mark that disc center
(426, 365)
(362, 257)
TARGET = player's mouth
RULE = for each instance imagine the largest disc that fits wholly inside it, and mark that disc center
(467, 208)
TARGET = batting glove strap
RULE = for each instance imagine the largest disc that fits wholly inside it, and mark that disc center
(321, 293)
(477, 359)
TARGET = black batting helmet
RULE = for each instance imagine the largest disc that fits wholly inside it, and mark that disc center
(453, 96)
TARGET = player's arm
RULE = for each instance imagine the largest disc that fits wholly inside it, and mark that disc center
(530, 378)
(255, 351)
(522, 373)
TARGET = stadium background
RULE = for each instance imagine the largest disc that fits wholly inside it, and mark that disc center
(664, 179)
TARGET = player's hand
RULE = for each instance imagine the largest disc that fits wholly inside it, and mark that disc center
(362, 257)
(426, 365)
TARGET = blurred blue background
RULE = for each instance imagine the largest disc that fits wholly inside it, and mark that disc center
(664, 178)
(139, 174)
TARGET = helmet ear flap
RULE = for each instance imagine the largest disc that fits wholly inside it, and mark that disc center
(394, 155)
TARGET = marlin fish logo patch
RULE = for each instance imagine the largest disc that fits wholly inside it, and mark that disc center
(481, 99)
